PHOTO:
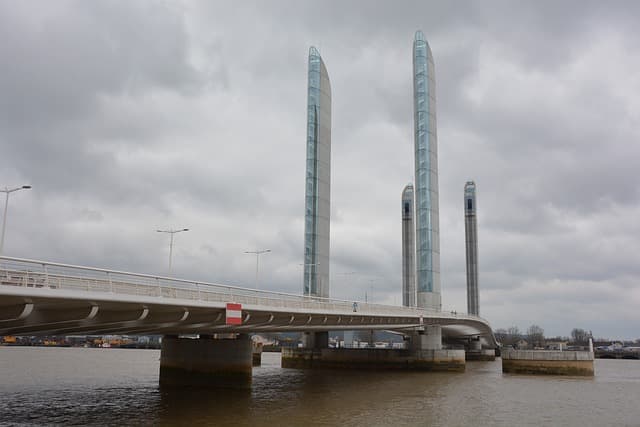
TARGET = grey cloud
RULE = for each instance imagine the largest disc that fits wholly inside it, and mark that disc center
(131, 117)
(60, 66)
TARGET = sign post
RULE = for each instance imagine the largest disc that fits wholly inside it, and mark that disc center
(234, 314)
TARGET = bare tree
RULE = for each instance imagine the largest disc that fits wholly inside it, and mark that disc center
(535, 334)
(508, 337)
(579, 336)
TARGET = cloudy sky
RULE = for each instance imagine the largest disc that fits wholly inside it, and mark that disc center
(132, 116)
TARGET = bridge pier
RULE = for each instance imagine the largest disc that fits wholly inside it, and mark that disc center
(475, 352)
(206, 362)
(428, 339)
(546, 362)
(428, 354)
(315, 340)
(424, 353)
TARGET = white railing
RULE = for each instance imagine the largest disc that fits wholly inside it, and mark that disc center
(41, 274)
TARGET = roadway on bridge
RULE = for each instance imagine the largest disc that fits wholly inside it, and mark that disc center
(43, 298)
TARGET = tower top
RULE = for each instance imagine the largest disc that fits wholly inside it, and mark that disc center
(470, 189)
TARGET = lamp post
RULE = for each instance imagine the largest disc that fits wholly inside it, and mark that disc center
(257, 254)
(171, 232)
(309, 265)
(371, 282)
(8, 191)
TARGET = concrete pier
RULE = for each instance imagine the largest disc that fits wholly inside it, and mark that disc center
(483, 355)
(424, 353)
(475, 352)
(428, 339)
(315, 340)
(206, 362)
(542, 362)
(374, 359)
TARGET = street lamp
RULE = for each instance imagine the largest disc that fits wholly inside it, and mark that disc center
(310, 265)
(8, 191)
(257, 254)
(371, 282)
(171, 232)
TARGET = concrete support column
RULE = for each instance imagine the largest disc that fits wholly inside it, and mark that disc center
(475, 352)
(315, 340)
(307, 340)
(206, 362)
(429, 339)
(483, 355)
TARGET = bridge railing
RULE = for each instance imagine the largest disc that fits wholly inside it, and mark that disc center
(41, 274)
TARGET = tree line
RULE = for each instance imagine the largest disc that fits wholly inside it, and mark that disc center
(534, 335)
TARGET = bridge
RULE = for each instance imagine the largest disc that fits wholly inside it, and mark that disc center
(46, 298)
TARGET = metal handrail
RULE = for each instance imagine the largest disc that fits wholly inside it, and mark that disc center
(114, 280)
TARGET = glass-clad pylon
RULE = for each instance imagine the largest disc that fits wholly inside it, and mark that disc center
(318, 179)
(426, 176)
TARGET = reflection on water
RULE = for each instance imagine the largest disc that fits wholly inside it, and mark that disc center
(195, 406)
(47, 386)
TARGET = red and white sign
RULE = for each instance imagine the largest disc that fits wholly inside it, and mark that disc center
(234, 314)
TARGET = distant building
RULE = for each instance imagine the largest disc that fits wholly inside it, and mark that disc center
(426, 176)
(318, 179)
(408, 249)
(471, 243)
(557, 345)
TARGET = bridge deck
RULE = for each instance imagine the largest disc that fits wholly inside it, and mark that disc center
(42, 298)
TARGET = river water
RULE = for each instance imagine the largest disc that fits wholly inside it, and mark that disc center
(48, 386)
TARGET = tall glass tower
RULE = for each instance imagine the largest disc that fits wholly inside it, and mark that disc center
(471, 244)
(426, 176)
(318, 179)
(408, 249)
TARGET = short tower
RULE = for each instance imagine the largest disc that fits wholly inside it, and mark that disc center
(408, 249)
(471, 243)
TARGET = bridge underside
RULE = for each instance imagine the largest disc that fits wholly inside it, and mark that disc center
(43, 311)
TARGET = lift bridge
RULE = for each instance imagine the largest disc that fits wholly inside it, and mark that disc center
(45, 298)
